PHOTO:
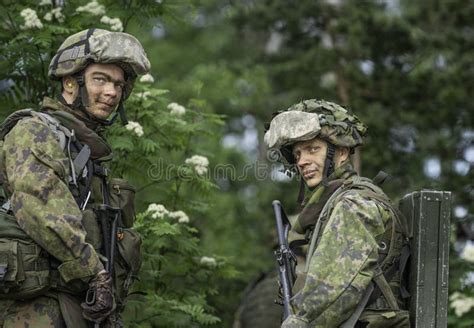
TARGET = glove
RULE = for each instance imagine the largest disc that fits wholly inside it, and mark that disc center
(100, 301)
(113, 321)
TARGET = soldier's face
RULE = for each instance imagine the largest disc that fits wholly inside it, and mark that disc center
(104, 83)
(310, 156)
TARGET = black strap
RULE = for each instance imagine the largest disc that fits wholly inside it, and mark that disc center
(99, 170)
(329, 162)
(87, 45)
(121, 111)
(351, 322)
(301, 192)
(404, 257)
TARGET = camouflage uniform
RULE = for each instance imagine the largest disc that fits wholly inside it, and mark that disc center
(35, 171)
(347, 230)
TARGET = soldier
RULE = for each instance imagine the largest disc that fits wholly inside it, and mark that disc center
(58, 270)
(354, 264)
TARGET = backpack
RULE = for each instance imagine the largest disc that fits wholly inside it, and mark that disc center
(27, 270)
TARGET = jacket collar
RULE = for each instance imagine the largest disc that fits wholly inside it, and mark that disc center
(86, 131)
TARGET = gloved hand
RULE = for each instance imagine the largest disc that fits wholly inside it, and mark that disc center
(100, 301)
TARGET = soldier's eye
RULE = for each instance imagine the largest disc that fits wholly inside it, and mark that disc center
(120, 85)
(99, 80)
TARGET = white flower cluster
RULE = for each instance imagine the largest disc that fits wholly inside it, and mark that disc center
(93, 8)
(56, 13)
(157, 211)
(45, 3)
(135, 127)
(147, 78)
(144, 94)
(200, 164)
(31, 19)
(468, 253)
(180, 216)
(115, 23)
(208, 261)
(176, 109)
(461, 303)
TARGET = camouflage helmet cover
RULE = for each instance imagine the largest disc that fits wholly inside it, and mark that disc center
(103, 47)
(315, 118)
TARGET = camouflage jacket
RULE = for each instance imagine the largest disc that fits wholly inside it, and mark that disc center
(35, 170)
(344, 260)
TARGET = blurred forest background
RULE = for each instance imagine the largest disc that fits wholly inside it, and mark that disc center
(406, 68)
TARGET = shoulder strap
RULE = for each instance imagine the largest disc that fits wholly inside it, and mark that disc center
(321, 223)
(64, 136)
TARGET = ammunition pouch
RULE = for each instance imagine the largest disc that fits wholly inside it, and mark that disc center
(24, 266)
(122, 195)
(127, 263)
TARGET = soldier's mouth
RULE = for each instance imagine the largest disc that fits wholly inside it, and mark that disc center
(309, 174)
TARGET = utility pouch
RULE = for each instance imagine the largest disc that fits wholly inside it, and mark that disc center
(24, 266)
(127, 263)
(122, 195)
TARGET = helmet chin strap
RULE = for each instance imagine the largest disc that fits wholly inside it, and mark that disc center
(328, 163)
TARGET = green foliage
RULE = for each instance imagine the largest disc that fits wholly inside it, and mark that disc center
(176, 277)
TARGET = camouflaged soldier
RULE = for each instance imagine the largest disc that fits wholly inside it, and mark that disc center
(356, 237)
(55, 244)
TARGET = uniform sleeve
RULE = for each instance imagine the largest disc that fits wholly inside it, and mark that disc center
(37, 169)
(342, 265)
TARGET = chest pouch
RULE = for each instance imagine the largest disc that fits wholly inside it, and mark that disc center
(128, 263)
(122, 195)
(24, 265)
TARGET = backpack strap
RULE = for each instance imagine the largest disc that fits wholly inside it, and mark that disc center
(66, 139)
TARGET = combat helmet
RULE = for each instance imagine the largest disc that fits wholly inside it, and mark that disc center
(309, 119)
(102, 47)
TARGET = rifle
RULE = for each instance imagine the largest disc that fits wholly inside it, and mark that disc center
(109, 218)
(285, 257)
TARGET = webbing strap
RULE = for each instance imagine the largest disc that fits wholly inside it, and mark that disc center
(81, 160)
(384, 287)
(325, 212)
(351, 322)
(6, 206)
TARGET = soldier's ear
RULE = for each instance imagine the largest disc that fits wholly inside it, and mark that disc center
(70, 89)
(342, 154)
(69, 84)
